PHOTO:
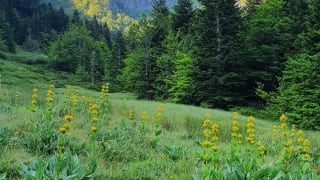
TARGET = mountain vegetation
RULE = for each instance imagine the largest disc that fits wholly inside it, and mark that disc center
(263, 55)
(81, 98)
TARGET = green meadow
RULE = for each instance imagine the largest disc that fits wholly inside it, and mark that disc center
(52, 130)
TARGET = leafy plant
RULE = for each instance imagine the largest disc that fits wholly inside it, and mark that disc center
(66, 167)
(174, 153)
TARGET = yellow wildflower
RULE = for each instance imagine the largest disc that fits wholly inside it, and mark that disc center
(215, 138)
(250, 119)
(93, 129)
(62, 129)
(283, 118)
(66, 126)
(67, 117)
(300, 132)
(206, 132)
(94, 119)
(206, 123)
(206, 143)
(215, 127)
(214, 148)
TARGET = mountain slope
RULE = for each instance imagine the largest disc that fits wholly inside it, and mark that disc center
(116, 13)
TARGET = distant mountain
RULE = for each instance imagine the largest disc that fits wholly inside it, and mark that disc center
(134, 8)
(117, 13)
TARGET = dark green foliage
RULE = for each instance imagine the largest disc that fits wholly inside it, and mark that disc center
(299, 92)
(214, 33)
(116, 64)
(73, 48)
(133, 74)
(181, 82)
(182, 15)
(75, 17)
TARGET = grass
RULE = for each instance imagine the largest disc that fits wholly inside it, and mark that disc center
(122, 150)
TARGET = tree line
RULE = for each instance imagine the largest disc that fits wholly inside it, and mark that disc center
(220, 55)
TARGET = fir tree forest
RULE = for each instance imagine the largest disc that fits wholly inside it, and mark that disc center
(170, 92)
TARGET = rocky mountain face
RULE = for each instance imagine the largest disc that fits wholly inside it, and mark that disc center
(134, 7)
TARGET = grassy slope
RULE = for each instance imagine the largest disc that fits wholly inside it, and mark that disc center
(181, 123)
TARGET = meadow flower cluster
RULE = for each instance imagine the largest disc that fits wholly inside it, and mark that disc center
(248, 160)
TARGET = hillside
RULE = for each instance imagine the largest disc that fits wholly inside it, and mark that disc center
(68, 131)
(118, 14)
(132, 8)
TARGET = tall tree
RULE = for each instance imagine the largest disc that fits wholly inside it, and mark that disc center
(106, 35)
(216, 28)
(75, 17)
(74, 48)
(118, 56)
(182, 15)
(159, 30)
(267, 44)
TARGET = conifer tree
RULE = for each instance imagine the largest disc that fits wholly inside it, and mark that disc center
(216, 26)
(182, 15)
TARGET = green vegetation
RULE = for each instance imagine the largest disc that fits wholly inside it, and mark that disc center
(68, 131)
(78, 101)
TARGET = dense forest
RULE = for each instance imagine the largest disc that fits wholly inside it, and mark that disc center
(264, 54)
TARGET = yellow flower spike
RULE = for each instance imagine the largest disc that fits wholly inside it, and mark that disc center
(206, 143)
(300, 132)
(93, 128)
(239, 136)
(94, 119)
(306, 156)
(306, 149)
(306, 142)
(215, 127)
(215, 139)
(235, 123)
(214, 148)
(63, 130)
(33, 102)
(285, 133)
(283, 118)
(239, 142)
(250, 125)
(207, 116)
(235, 114)
(68, 117)
(235, 128)
(94, 106)
(206, 123)
(283, 126)
(66, 126)
(233, 134)
(300, 140)
(206, 132)
(35, 90)
(250, 119)
(94, 112)
(144, 115)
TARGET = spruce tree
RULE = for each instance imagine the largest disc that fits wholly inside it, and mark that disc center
(182, 15)
(216, 26)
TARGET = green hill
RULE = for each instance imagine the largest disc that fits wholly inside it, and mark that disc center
(133, 139)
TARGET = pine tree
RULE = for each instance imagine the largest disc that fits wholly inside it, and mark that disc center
(215, 30)
(182, 15)
(75, 17)
(118, 56)
(106, 35)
